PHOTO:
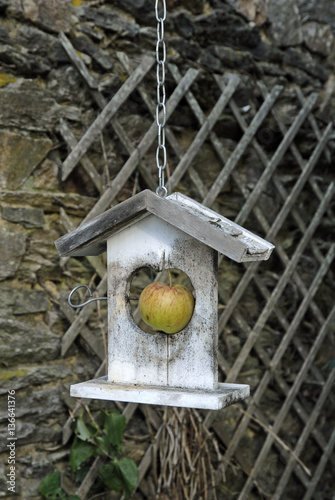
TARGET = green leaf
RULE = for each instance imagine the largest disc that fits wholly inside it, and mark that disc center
(82, 431)
(114, 427)
(81, 473)
(80, 451)
(129, 473)
(50, 487)
(120, 475)
(103, 444)
(109, 474)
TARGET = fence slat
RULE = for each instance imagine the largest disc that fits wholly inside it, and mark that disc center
(74, 330)
(281, 285)
(106, 115)
(242, 145)
(277, 157)
(72, 142)
(305, 434)
(284, 409)
(320, 468)
(202, 135)
(251, 277)
(130, 165)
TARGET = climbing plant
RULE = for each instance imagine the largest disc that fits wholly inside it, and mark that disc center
(99, 437)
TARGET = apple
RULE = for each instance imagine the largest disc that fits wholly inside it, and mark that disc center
(168, 308)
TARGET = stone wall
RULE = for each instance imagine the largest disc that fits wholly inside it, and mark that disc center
(289, 42)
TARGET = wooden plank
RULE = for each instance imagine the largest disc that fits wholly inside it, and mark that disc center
(68, 427)
(297, 342)
(139, 359)
(90, 239)
(107, 114)
(310, 424)
(170, 137)
(289, 201)
(280, 285)
(77, 61)
(277, 157)
(301, 406)
(294, 150)
(180, 211)
(313, 124)
(130, 165)
(72, 142)
(280, 352)
(320, 468)
(242, 145)
(288, 402)
(211, 228)
(82, 318)
(224, 395)
(102, 103)
(205, 129)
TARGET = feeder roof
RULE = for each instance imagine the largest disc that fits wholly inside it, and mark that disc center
(178, 210)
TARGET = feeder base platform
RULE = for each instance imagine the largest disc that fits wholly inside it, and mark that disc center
(101, 388)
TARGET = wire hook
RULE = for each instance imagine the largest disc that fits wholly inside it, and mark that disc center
(84, 303)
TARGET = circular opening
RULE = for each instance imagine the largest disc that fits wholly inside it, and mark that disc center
(146, 276)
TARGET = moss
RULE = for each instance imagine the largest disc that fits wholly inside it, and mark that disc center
(6, 375)
(6, 78)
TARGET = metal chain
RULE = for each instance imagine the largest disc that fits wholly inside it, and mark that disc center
(161, 96)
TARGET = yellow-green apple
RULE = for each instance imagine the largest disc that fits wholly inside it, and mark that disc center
(168, 308)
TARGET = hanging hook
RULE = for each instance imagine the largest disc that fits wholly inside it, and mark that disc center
(84, 303)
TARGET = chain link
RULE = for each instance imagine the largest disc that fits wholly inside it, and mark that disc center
(161, 96)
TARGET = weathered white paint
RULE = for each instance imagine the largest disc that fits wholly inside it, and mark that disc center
(186, 360)
(231, 239)
(101, 388)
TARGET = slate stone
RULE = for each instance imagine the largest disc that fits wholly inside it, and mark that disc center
(21, 301)
(84, 44)
(322, 11)
(13, 247)
(28, 217)
(3, 6)
(235, 59)
(41, 43)
(209, 61)
(54, 17)
(20, 153)
(184, 47)
(304, 61)
(26, 375)
(4, 36)
(109, 20)
(266, 52)
(231, 30)
(24, 342)
(39, 404)
(318, 37)
(183, 24)
(27, 432)
(26, 64)
(73, 204)
(26, 105)
(142, 10)
(253, 11)
(194, 6)
(285, 22)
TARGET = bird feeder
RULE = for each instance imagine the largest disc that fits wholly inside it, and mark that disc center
(176, 232)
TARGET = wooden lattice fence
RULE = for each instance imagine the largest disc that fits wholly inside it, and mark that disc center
(273, 175)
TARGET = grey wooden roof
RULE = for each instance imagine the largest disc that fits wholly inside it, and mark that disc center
(178, 210)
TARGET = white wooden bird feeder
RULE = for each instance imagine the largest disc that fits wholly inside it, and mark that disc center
(176, 232)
